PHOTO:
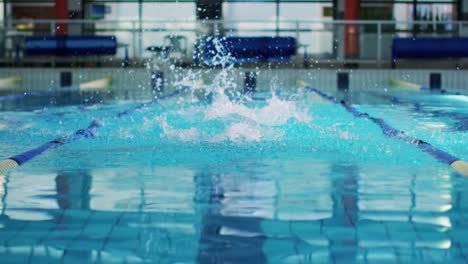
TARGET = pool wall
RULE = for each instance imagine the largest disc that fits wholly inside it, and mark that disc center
(128, 80)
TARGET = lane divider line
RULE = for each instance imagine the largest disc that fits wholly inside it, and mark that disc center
(457, 164)
(88, 132)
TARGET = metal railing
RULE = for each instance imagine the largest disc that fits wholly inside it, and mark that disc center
(319, 40)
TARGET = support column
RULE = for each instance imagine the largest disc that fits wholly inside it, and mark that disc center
(415, 18)
(61, 13)
(277, 17)
(140, 28)
(351, 12)
(75, 11)
(338, 39)
(462, 15)
(346, 37)
(210, 10)
(462, 10)
(209, 13)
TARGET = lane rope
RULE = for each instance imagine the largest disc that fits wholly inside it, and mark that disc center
(407, 85)
(459, 165)
(88, 132)
(9, 82)
(95, 85)
(417, 87)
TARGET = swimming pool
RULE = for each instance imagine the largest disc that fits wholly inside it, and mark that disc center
(283, 177)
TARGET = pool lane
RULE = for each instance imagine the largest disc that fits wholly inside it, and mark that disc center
(431, 109)
(88, 132)
(435, 118)
(458, 164)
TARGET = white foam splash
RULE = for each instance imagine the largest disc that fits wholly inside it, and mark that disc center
(239, 122)
(125, 133)
(186, 135)
(243, 132)
(276, 112)
(239, 132)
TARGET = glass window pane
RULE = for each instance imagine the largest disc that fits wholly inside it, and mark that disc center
(169, 11)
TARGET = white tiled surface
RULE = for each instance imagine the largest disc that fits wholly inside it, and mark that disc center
(139, 79)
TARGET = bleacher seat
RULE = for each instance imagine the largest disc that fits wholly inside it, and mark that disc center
(429, 48)
(248, 49)
(70, 45)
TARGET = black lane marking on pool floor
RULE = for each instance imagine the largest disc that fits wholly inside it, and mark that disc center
(216, 247)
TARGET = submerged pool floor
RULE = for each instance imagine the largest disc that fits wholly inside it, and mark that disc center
(279, 179)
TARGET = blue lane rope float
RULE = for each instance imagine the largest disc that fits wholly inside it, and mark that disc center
(417, 87)
(459, 165)
(99, 84)
(9, 82)
(407, 85)
(89, 132)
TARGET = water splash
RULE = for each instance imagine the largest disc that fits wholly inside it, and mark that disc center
(190, 134)
(225, 113)
(274, 112)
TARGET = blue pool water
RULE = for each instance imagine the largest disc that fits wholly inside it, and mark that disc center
(287, 178)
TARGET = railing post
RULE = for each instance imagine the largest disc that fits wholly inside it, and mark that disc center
(140, 39)
(379, 44)
(134, 44)
(460, 25)
(53, 27)
(216, 27)
(297, 39)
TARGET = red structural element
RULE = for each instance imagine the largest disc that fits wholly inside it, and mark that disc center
(351, 30)
(61, 13)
